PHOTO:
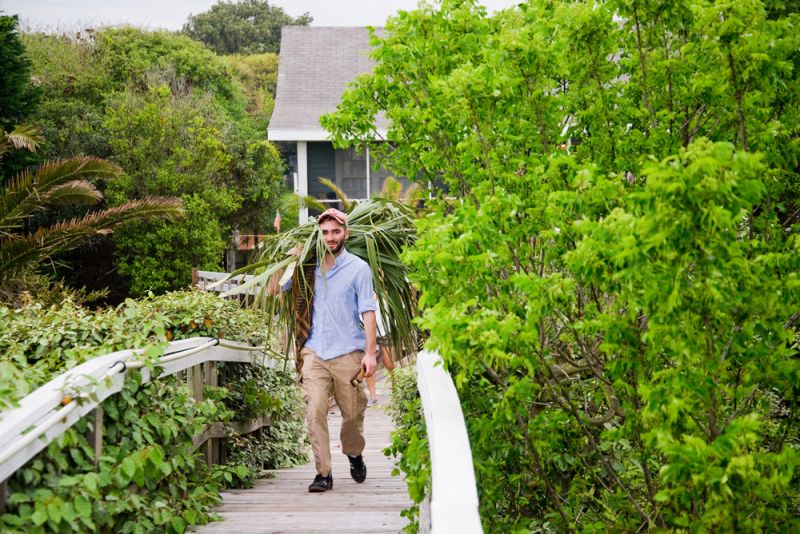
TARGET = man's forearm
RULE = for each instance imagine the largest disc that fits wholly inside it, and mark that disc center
(370, 354)
(370, 329)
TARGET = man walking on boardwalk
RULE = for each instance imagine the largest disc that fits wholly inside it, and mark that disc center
(337, 347)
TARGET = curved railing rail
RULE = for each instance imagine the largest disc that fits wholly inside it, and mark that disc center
(454, 496)
(49, 411)
(210, 280)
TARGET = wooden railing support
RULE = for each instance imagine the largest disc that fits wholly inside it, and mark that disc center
(95, 433)
(3, 495)
(196, 382)
(212, 446)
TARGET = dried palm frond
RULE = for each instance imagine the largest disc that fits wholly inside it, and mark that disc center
(18, 250)
(379, 230)
(26, 137)
(27, 192)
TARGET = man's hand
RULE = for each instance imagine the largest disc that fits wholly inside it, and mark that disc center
(369, 363)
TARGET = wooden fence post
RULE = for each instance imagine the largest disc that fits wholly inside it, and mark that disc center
(3, 496)
(95, 433)
(212, 445)
(195, 381)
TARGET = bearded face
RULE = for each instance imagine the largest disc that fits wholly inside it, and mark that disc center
(334, 234)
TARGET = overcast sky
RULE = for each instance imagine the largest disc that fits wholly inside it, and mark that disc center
(70, 15)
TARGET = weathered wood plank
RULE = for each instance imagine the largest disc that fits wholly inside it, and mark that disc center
(283, 504)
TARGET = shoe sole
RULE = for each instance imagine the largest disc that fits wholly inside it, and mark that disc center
(317, 489)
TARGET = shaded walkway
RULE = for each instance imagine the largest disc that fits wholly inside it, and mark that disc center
(283, 504)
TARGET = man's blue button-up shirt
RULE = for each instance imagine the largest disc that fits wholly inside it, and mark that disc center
(341, 295)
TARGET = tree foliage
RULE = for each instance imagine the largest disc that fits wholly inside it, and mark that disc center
(24, 245)
(615, 289)
(257, 77)
(242, 26)
(171, 114)
(18, 96)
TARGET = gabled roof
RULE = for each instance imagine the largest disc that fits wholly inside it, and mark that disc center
(316, 63)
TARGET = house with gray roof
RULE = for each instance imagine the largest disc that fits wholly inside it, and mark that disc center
(316, 64)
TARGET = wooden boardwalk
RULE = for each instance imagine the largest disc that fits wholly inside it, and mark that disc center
(283, 503)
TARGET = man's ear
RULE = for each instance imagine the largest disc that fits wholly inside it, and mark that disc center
(346, 233)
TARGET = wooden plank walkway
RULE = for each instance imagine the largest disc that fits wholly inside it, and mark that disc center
(283, 503)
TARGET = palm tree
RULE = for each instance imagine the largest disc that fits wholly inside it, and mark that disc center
(60, 182)
(379, 229)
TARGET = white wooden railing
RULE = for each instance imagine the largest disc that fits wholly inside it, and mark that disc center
(452, 506)
(208, 280)
(49, 411)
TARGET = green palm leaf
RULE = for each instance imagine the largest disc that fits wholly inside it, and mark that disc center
(19, 250)
(27, 192)
(346, 202)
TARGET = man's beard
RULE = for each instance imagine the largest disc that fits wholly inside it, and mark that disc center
(338, 247)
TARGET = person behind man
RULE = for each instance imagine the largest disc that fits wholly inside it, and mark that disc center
(385, 356)
(337, 347)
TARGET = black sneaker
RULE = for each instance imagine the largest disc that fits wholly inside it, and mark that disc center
(357, 468)
(321, 484)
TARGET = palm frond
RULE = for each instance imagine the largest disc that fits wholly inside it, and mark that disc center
(313, 203)
(392, 188)
(74, 192)
(24, 194)
(379, 230)
(17, 251)
(25, 136)
(346, 202)
(412, 195)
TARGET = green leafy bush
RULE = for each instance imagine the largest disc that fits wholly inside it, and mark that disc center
(149, 478)
(180, 121)
(409, 441)
(615, 287)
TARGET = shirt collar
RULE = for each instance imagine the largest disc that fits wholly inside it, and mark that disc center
(338, 262)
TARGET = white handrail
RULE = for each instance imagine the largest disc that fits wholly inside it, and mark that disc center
(49, 411)
(208, 281)
(454, 499)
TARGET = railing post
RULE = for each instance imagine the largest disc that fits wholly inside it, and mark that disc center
(95, 433)
(3, 496)
(212, 446)
(195, 382)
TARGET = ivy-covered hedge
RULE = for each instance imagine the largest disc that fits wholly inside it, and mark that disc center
(409, 441)
(149, 478)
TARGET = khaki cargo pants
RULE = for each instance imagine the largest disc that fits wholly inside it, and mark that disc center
(320, 379)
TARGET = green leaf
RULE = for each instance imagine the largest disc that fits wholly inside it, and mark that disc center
(128, 466)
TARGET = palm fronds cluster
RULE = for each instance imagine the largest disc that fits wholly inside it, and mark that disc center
(59, 182)
(379, 229)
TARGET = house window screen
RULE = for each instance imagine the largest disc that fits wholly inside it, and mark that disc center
(351, 173)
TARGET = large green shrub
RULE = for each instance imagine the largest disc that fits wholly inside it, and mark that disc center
(148, 478)
(615, 289)
(180, 121)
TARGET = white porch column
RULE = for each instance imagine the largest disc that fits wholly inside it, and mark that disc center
(369, 190)
(301, 183)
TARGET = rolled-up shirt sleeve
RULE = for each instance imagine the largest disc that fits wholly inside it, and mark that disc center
(365, 291)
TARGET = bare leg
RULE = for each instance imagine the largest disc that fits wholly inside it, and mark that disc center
(371, 387)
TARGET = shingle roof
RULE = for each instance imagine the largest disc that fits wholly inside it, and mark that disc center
(316, 63)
